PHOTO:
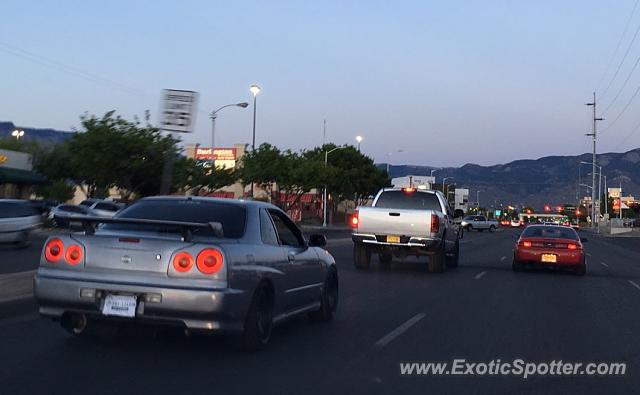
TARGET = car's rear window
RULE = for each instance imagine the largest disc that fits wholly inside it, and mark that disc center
(231, 216)
(408, 200)
(552, 232)
(17, 209)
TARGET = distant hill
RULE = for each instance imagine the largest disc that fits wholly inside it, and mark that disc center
(552, 179)
(45, 137)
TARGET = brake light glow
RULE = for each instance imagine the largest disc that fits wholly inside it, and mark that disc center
(526, 244)
(73, 255)
(408, 190)
(182, 262)
(354, 219)
(435, 223)
(572, 246)
(209, 261)
(53, 250)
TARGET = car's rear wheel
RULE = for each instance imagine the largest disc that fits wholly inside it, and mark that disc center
(492, 228)
(469, 227)
(453, 260)
(328, 298)
(581, 269)
(259, 320)
(361, 256)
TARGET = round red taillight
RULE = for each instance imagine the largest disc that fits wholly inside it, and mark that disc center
(73, 256)
(53, 250)
(209, 261)
(182, 262)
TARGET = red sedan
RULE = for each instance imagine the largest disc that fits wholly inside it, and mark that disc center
(550, 246)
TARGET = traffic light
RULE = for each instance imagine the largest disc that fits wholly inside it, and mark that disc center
(547, 207)
(559, 208)
(528, 211)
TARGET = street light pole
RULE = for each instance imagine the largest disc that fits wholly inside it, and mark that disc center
(478, 199)
(389, 159)
(213, 116)
(17, 133)
(443, 180)
(359, 140)
(593, 134)
(254, 89)
(324, 192)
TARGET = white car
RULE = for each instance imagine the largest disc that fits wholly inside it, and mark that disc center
(479, 223)
(101, 208)
(18, 218)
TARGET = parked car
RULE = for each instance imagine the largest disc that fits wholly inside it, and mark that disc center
(63, 215)
(202, 264)
(516, 223)
(406, 221)
(102, 208)
(18, 218)
(550, 246)
(479, 223)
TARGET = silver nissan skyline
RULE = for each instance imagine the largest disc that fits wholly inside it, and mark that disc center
(203, 264)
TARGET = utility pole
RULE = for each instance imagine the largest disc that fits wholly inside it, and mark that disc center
(324, 132)
(593, 134)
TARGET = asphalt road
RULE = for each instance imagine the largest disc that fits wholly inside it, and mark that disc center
(480, 312)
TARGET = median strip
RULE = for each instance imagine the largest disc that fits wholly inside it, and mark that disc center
(604, 264)
(634, 284)
(399, 330)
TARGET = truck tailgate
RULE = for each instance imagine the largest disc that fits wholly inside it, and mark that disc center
(384, 221)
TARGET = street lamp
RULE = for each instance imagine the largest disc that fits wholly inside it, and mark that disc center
(434, 170)
(324, 193)
(389, 159)
(17, 133)
(443, 180)
(254, 89)
(359, 140)
(478, 198)
(213, 116)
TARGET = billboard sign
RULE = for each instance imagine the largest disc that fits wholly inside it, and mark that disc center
(178, 110)
(224, 157)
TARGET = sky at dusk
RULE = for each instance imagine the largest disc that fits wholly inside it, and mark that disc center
(446, 82)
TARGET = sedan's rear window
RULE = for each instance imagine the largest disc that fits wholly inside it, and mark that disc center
(408, 200)
(231, 216)
(551, 232)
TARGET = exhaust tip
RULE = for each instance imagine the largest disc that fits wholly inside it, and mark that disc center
(75, 323)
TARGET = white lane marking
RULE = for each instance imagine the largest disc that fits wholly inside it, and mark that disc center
(399, 330)
(503, 258)
(479, 275)
(588, 254)
(634, 284)
(604, 264)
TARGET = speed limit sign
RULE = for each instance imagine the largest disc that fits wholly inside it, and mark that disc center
(178, 112)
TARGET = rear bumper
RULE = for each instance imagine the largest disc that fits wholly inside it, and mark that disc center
(211, 310)
(407, 242)
(564, 258)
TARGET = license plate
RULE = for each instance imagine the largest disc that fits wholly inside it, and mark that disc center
(119, 305)
(393, 239)
(549, 258)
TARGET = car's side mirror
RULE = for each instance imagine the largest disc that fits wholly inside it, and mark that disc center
(583, 239)
(317, 240)
(458, 213)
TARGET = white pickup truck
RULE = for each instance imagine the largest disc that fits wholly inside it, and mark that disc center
(479, 223)
(406, 221)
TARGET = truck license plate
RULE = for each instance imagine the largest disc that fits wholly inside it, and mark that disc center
(393, 239)
(119, 305)
(549, 258)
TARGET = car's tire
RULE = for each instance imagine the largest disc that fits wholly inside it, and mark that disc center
(259, 320)
(581, 269)
(385, 257)
(452, 261)
(492, 228)
(469, 227)
(516, 266)
(328, 298)
(361, 256)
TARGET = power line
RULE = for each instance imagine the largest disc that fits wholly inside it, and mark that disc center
(624, 84)
(623, 110)
(615, 52)
(622, 61)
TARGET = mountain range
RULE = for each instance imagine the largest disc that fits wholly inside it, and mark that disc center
(549, 180)
(44, 137)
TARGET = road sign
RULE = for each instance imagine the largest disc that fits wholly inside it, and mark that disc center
(179, 109)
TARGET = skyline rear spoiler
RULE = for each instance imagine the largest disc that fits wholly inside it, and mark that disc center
(186, 228)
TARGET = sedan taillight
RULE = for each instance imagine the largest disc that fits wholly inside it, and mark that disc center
(572, 246)
(74, 254)
(209, 261)
(53, 251)
(182, 262)
(354, 219)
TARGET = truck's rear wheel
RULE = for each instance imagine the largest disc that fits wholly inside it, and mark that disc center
(437, 262)
(361, 256)
(452, 261)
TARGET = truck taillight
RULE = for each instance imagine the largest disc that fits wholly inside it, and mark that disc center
(435, 223)
(354, 219)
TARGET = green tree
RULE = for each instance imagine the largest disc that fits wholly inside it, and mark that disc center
(58, 190)
(194, 176)
(266, 166)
